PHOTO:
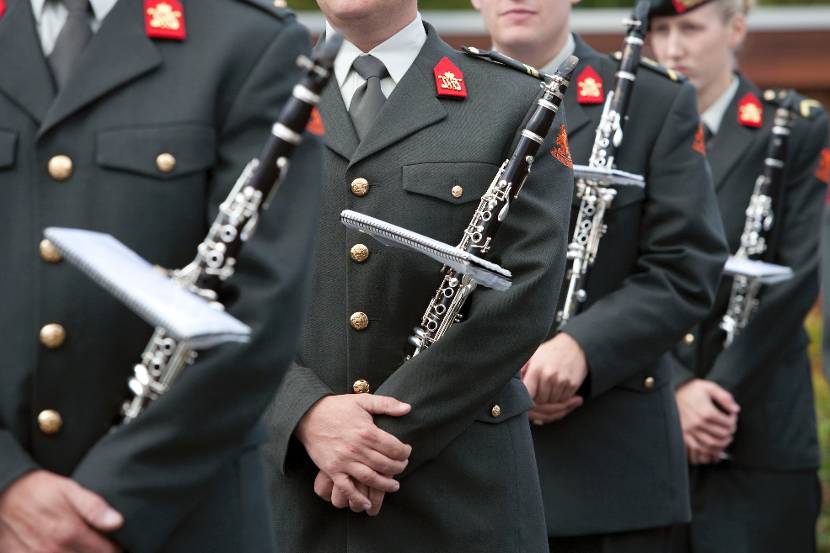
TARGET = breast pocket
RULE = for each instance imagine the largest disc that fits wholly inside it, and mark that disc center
(8, 149)
(165, 153)
(442, 195)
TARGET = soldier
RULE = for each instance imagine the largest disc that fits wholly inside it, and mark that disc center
(607, 434)
(135, 119)
(765, 496)
(415, 133)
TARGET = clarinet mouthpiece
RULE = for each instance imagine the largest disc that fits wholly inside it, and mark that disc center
(567, 67)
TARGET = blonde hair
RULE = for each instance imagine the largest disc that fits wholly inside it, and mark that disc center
(730, 8)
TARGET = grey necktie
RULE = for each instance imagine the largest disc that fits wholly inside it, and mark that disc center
(71, 41)
(369, 98)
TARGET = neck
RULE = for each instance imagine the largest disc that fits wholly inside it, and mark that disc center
(708, 95)
(368, 32)
(535, 55)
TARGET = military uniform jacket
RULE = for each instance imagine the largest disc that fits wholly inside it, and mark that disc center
(187, 474)
(766, 368)
(617, 463)
(471, 484)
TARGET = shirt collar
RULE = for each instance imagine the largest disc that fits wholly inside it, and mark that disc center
(100, 8)
(397, 53)
(713, 116)
(568, 50)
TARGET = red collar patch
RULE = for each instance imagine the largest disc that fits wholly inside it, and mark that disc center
(2, 7)
(823, 167)
(315, 123)
(164, 19)
(560, 150)
(699, 145)
(449, 80)
(750, 111)
(589, 89)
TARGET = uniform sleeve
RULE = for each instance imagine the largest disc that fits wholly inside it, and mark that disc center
(683, 250)
(14, 461)
(157, 468)
(784, 306)
(300, 389)
(451, 382)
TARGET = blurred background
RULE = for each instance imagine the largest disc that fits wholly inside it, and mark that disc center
(788, 47)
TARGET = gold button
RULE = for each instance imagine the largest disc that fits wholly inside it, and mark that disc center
(648, 383)
(48, 252)
(49, 421)
(689, 339)
(360, 386)
(280, 4)
(359, 320)
(360, 187)
(60, 167)
(496, 410)
(769, 95)
(359, 253)
(165, 162)
(457, 191)
(52, 335)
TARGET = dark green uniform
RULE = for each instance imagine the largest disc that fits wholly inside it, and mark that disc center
(745, 505)
(471, 484)
(144, 142)
(616, 464)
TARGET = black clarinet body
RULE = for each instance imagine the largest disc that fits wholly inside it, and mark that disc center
(595, 198)
(164, 358)
(758, 226)
(445, 307)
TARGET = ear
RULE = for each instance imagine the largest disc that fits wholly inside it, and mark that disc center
(737, 30)
(476, 4)
(575, 2)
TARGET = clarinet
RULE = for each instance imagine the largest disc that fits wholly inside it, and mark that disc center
(596, 199)
(164, 358)
(743, 297)
(445, 307)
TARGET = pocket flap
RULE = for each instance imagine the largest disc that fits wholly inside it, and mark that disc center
(137, 149)
(512, 400)
(8, 148)
(454, 182)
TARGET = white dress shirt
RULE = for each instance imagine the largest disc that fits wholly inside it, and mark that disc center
(50, 15)
(713, 116)
(567, 51)
(397, 53)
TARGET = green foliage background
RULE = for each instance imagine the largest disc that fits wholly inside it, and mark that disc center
(465, 4)
(822, 393)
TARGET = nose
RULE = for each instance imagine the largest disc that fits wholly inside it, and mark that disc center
(674, 45)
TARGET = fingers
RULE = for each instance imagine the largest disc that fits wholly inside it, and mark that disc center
(723, 399)
(383, 405)
(383, 464)
(88, 540)
(92, 508)
(364, 475)
(323, 486)
(531, 382)
(345, 492)
(376, 497)
(357, 506)
(384, 443)
(551, 412)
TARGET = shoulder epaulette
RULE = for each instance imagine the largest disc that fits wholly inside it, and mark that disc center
(807, 108)
(649, 63)
(506, 61)
(278, 8)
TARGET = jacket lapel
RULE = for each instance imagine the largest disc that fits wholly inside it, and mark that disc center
(340, 133)
(24, 75)
(413, 104)
(118, 53)
(732, 139)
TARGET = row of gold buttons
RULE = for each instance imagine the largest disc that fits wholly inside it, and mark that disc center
(60, 167)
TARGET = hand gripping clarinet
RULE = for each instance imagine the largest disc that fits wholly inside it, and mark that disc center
(164, 358)
(743, 298)
(445, 307)
(595, 198)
